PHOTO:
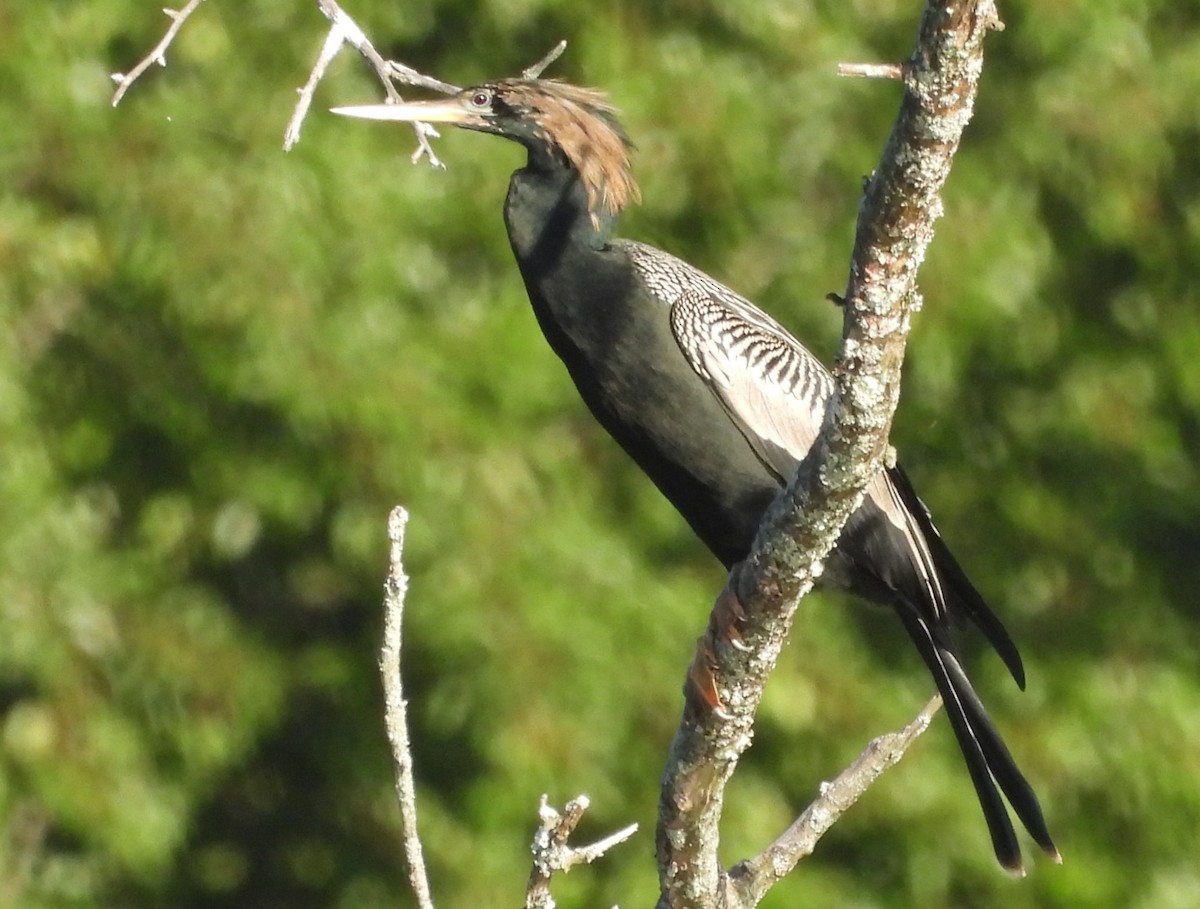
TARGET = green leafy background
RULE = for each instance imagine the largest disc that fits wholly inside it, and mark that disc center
(221, 365)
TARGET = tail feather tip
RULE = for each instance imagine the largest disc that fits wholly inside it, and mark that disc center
(1015, 867)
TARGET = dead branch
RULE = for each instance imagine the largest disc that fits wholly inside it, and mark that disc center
(551, 854)
(344, 30)
(895, 225)
(158, 54)
(751, 879)
(395, 709)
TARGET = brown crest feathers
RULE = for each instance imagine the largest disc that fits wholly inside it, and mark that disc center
(582, 122)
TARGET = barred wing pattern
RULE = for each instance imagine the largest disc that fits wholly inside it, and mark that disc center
(775, 391)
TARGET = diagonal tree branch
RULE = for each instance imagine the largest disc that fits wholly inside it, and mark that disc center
(158, 53)
(751, 879)
(895, 225)
(344, 30)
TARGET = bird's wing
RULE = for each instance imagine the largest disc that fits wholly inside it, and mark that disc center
(773, 389)
(776, 392)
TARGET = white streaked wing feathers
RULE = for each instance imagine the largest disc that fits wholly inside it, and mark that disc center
(774, 390)
(771, 387)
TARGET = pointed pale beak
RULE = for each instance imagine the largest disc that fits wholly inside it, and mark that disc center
(450, 111)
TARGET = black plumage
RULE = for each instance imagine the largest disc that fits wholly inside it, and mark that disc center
(713, 399)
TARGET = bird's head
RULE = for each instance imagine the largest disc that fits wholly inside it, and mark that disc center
(548, 117)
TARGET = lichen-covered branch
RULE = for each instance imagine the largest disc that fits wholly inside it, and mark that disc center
(895, 225)
(552, 853)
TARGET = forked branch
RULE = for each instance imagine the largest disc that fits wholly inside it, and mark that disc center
(552, 853)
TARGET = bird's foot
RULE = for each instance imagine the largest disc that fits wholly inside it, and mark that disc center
(728, 615)
(724, 621)
(701, 688)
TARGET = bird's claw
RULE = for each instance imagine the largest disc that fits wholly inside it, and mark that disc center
(727, 614)
(726, 617)
(701, 688)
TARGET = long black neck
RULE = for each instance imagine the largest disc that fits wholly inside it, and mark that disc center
(614, 335)
(574, 278)
(547, 209)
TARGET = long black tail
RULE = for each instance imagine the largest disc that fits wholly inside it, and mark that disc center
(966, 600)
(927, 609)
(988, 760)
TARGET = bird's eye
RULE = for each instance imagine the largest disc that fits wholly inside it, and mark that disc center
(481, 98)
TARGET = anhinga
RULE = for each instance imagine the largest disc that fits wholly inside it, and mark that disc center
(712, 398)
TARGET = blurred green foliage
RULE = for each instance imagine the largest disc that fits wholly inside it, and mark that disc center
(221, 365)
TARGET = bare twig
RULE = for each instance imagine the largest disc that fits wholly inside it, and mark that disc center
(872, 70)
(396, 716)
(387, 70)
(158, 54)
(895, 226)
(344, 30)
(410, 76)
(552, 854)
(333, 43)
(752, 878)
(536, 69)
